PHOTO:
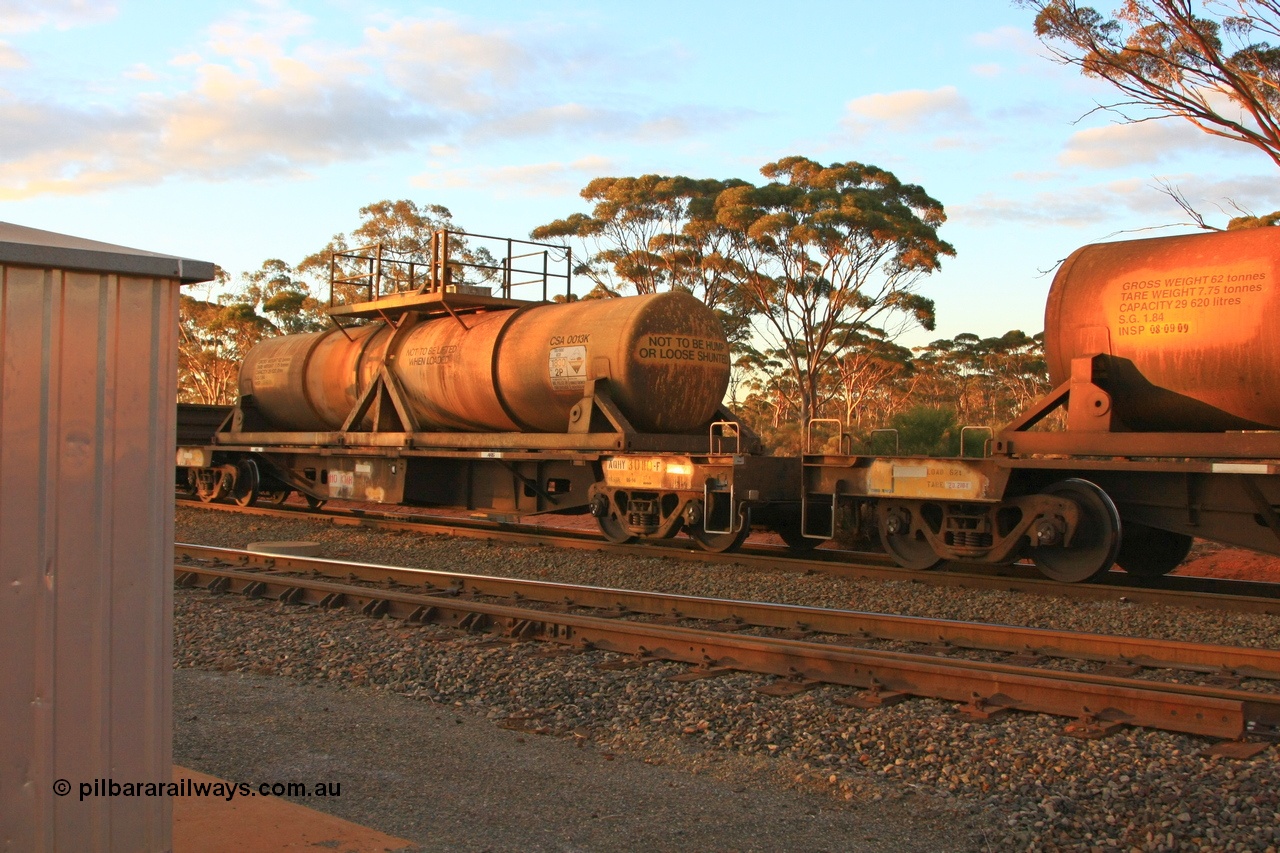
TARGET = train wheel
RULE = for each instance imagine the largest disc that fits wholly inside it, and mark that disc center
(246, 491)
(210, 485)
(275, 498)
(1097, 539)
(905, 542)
(315, 503)
(1149, 552)
(614, 530)
(719, 543)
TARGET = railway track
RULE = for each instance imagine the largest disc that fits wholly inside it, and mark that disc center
(1100, 682)
(1173, 591)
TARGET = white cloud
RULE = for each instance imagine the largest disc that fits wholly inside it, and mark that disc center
(445, 63)
(960, 142)
(1099, 206)
(1119, 145)
(908, 110)
(1007, 39)
(266, 97)
(10, 57)
(987, 69)
(555, 178)
(141, 71)
(20, 16)
(1036, 177)
(604, 122)
(1074, 208)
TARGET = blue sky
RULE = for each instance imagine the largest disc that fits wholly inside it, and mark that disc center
(240, 131)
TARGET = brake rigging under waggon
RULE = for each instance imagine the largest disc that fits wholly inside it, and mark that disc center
(1165, 412)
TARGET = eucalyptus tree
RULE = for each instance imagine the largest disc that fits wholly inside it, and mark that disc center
(827, 256)
(284, 297)
(653, 233)
(215, 331)
(1215, 64)
(404, 229)
(1208, 63)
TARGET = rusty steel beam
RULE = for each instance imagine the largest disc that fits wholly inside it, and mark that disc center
(1140, 651)
(1175, 445)
(1204, 711)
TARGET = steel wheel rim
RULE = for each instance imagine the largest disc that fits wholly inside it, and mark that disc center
(1097, 539)
(614, 530)
(909, 550)
(247, 476)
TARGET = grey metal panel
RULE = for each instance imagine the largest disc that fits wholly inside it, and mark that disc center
(86, 531)
(48, 249)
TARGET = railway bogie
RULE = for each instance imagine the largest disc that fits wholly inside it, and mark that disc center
(716, 498)
(924, 512)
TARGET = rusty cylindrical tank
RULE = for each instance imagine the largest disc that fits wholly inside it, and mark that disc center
(507, 370)
(1190, 323)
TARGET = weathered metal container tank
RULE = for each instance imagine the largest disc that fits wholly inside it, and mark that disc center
(1190, 324)
(519, 369)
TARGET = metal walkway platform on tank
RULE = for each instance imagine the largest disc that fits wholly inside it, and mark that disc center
(429, 304)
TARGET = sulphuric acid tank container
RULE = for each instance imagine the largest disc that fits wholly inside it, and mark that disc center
(1190, 324)
(509, 370)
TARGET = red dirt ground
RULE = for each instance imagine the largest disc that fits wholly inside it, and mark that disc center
(1209, 559)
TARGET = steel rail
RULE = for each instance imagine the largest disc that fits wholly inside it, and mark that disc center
(1195, 593)
(943, 635)
(1094, 700)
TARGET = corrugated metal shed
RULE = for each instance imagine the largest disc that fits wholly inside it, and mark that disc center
(88, 350)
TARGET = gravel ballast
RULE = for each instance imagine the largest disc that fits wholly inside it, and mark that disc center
(865, 779)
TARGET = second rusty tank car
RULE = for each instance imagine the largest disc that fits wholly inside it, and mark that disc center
(1166, 370)
(1187, 323)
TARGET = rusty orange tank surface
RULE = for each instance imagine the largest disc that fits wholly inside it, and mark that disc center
(521, 369)
(1190, 323)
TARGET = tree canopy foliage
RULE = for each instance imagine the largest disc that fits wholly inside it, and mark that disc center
(1215, 64)
(651, 233)
(800, 268)
(214, 335)
(828, 255)
(877, 384)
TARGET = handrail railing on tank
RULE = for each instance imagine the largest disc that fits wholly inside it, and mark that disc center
(986, 445)
(897, 445)
(846, 441)
(445, 272)
(506, 265)
(380, 266)
(727, 429)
